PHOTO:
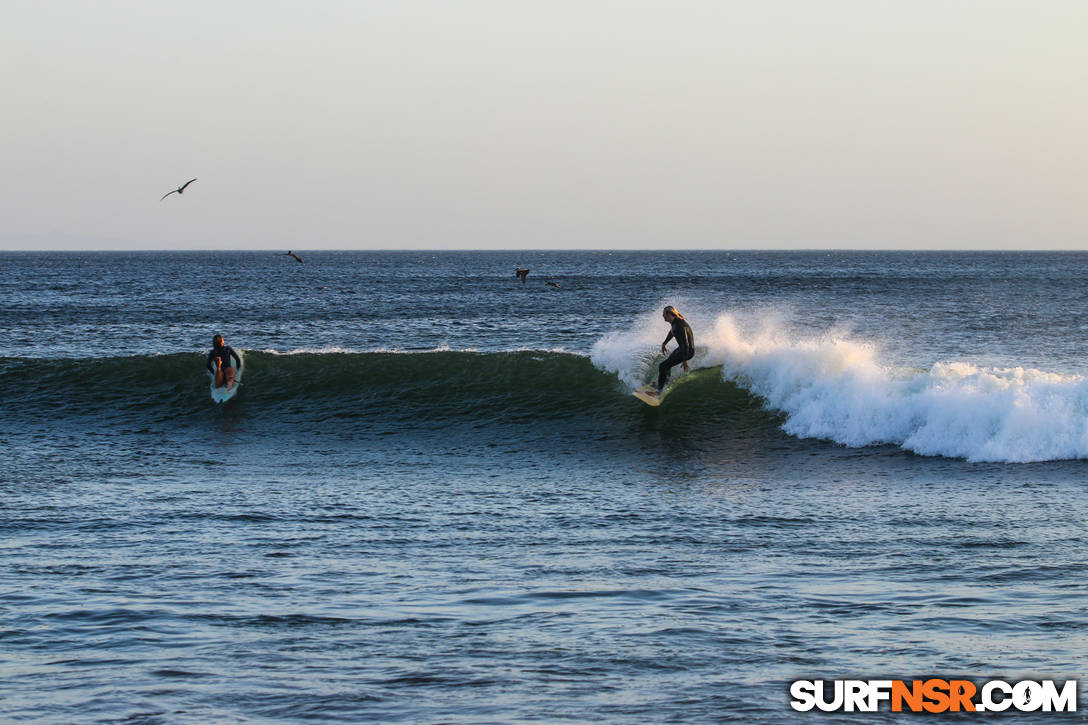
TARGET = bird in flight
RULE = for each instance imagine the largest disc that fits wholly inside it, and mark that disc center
(295, 256)
(522, 273)
(179, 190)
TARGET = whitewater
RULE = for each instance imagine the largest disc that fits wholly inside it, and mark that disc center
(837, 388)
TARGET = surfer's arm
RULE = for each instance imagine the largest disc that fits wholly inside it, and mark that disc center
(666, 341)
(211, 356)
(237, 360)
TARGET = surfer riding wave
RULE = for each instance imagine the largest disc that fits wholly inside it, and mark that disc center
(685, 341)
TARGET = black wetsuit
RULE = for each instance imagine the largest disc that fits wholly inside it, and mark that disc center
(681, 332)
(224, 354)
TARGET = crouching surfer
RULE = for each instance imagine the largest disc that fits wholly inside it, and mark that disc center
(219, 363)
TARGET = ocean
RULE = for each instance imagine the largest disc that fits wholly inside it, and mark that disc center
(434, 499)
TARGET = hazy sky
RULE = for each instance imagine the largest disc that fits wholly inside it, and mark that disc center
(495, 124)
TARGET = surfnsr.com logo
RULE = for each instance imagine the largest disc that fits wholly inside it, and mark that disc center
(933, 695)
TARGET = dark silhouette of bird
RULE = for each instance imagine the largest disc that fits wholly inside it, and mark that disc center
(293, 255)
(179, 190)
(552, 284)
(523, 273)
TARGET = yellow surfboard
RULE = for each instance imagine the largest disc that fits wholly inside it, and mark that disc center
(648, 394)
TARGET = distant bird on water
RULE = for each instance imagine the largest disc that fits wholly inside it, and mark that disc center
(522, 273)
(179, 190)
(550, 283)
(293, 255)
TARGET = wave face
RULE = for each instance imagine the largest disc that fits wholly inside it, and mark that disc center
(315, 387)
(832, 388)
(837, 388)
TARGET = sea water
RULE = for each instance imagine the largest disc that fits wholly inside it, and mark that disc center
(435, 500)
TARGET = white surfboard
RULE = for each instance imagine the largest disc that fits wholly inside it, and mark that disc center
(223, 394)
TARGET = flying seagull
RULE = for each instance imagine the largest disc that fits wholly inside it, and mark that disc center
(295, 256)
(523, 273)
(179, 190)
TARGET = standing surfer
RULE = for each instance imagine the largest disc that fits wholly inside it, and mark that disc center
(685, 341)
(219, 363)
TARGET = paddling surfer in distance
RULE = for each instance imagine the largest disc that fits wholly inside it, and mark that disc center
(219, 363)
(685, 342)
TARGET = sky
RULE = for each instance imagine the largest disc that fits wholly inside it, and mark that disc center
(566, 124)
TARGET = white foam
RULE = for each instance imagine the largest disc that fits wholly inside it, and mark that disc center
(311, 351)
(396, 351)
(836, 388)
(334, 350)
(629, 353)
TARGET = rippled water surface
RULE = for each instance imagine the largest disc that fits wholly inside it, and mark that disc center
(433, 499)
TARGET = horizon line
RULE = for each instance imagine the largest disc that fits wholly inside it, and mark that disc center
(534, 250)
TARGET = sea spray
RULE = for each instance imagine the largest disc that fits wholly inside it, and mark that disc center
(828, 387)
(1012, 414)
(837, 388)
(634, 353)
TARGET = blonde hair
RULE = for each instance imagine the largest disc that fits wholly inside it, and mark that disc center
(670, 310)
